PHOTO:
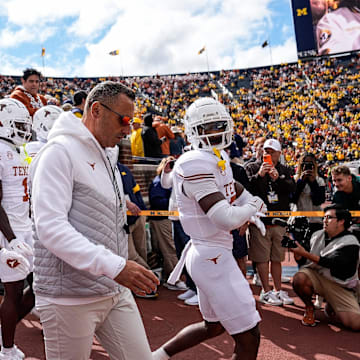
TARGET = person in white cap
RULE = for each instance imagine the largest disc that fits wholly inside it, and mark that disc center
(272, 182)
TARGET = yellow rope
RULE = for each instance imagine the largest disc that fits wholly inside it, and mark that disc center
(28, 159)
(268, 214)
(221, 163)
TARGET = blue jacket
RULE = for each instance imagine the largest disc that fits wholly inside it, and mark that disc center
(158, 197)
(132, 189)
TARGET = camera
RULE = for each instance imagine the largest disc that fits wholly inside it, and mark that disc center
(171, 164)
(297, 229)
(307, 166)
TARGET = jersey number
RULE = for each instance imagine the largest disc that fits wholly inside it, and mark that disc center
(26, 194)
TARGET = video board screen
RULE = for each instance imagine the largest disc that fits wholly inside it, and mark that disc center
(326, 26)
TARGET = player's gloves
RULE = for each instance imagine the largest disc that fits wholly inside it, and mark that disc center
(15, 261)
(258, 203)
(258, 223)
(21, 247)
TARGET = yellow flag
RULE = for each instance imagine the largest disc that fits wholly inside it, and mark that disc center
(114, 52)
(43, 51)
(201, 50)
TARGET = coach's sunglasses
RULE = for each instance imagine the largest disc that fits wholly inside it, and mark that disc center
(124, 120)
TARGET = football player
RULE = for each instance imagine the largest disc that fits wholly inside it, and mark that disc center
(210, 205)
(43, 121)
(15, 225)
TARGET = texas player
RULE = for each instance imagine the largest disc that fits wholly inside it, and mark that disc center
(210, 206)
(15, 225)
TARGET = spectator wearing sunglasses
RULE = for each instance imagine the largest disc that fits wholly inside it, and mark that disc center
(81, 247)
(331, 270)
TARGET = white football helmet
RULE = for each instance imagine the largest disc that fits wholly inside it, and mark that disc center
(15, 121)
(208, 124)
(44, 119)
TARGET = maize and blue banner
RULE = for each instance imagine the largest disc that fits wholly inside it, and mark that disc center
(304, 32)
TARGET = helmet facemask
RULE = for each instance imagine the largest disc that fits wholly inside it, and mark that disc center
(21, 131)
(208, 125)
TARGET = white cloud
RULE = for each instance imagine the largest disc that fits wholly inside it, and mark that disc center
(165, 36)
(161, 36)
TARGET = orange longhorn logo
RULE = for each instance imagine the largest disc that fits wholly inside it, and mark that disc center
(92, 165)
(13, 263)
(215, 259)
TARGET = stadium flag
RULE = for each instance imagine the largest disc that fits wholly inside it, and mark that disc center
(43, 52)
(265, 44)
(201, 50)
(114, 52)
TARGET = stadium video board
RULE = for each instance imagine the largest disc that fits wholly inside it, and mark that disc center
(325, 27)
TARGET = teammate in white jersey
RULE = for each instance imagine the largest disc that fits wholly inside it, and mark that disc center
(15, 225)
(43, 121)
(210, 205)
(339, 30)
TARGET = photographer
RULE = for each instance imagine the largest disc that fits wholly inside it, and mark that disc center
(273, 183)
(310, 189)
(331, 270)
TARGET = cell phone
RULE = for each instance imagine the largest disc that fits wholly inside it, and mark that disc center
(171, 164)
(308, 166)
(267, 159)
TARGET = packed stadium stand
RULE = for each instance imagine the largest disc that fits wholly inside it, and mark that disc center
(309, 105)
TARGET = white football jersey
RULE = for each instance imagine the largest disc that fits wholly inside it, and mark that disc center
(200, 167)
(14, 179)
(339, 31)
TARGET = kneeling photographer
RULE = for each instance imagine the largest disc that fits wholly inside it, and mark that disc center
(331, 270)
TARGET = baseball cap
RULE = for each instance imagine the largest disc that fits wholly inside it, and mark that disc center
(137, 121)
(272, 144)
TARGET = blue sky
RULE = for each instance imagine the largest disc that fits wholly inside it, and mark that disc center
(153, 37)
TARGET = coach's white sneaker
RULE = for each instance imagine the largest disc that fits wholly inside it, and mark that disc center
(193, 301)
(270, 298)
(284, 297)
(186, 295)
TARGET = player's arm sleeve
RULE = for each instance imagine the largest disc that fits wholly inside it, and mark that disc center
(166, 180)
(52, 187)
(221, 213)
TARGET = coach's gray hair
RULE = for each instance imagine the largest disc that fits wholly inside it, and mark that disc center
(107, 92)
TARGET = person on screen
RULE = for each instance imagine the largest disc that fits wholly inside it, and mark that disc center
(318, 10)
(339, 31)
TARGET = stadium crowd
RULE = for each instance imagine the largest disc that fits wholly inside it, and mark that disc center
(310, 106)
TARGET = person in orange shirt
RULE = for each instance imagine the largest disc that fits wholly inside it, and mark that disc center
(165, 135)
(27, 93)
(137, 146)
